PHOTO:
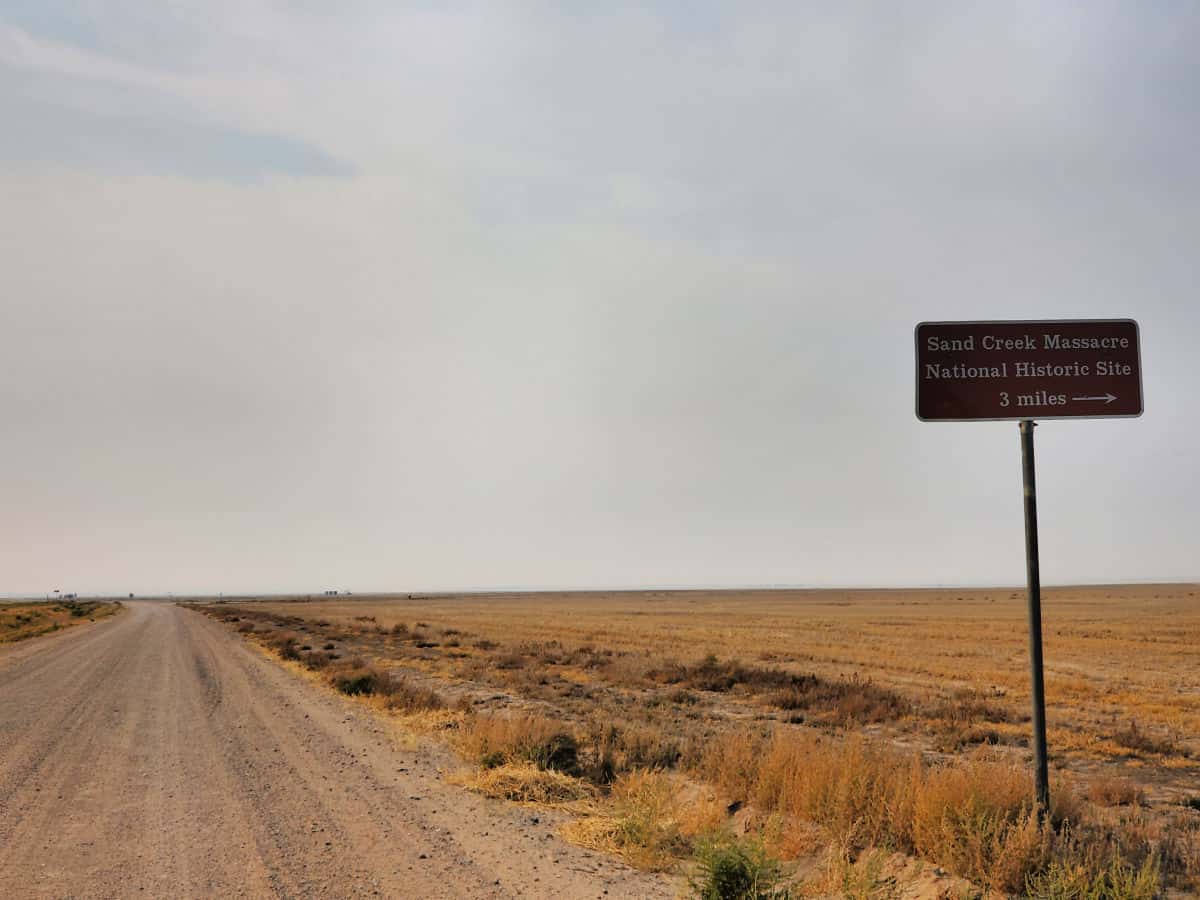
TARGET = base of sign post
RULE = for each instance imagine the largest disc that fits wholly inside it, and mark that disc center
(1041, 765)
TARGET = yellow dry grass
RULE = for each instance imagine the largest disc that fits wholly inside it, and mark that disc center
(649, 820)
(19, 621)
(525, 783)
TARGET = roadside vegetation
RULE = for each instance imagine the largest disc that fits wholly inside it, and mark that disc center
(19, 621)
(762, 779)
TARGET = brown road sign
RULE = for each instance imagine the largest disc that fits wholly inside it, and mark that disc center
(1079, 368)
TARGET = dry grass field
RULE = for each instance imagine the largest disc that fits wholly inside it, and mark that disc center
(19, 621)
(832, 725)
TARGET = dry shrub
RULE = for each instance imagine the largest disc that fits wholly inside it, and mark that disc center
(402, 694)
(285, 644)
(353, 677)
(1117, 879)
(1136, 839)
(977, 819)
(970, 706)
(857, 789)
(625, 668)
(526, 783)
(792, 838)
(1134, 738)
(588, 657)
(955, 736)
(547, 653)
(356, 679)
(974, 817)
(852, 700)
(614, 749)
(732, 763)
(1112, 790)
(843, 700)
(713, 674)
(494, 741)
(316, 659)
(641, 822)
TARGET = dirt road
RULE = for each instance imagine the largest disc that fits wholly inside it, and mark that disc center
(156, 755)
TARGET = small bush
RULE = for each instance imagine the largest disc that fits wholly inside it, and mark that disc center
(285, 644)
(975, 816)
(493, 760)
(1133, 738)
(852, 700)
(1110, 790)
(542, 742)
(290, 651)
(316, 659)
(399, 693)
(559, 752)
(355, 680)
(641, 822)
(613, 749)
(1118, 880)
(952, 737)
(728, 869)
(970, 707)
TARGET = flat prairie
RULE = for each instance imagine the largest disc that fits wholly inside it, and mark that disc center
(1116, 656)
(939, 673)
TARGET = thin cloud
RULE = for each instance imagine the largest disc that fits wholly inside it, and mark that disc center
(527, 296)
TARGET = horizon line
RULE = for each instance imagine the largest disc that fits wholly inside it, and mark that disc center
(482, 591)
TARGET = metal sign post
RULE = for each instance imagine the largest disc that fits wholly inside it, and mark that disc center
(995, 371)
(1028, 478)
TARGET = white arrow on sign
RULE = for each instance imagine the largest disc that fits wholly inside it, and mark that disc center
(1107, 398)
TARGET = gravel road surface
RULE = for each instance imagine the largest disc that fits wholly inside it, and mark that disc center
(157, 755)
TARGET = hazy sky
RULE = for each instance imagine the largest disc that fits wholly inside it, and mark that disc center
(377, 296)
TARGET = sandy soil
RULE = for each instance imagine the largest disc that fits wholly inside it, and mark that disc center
(155, 754)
